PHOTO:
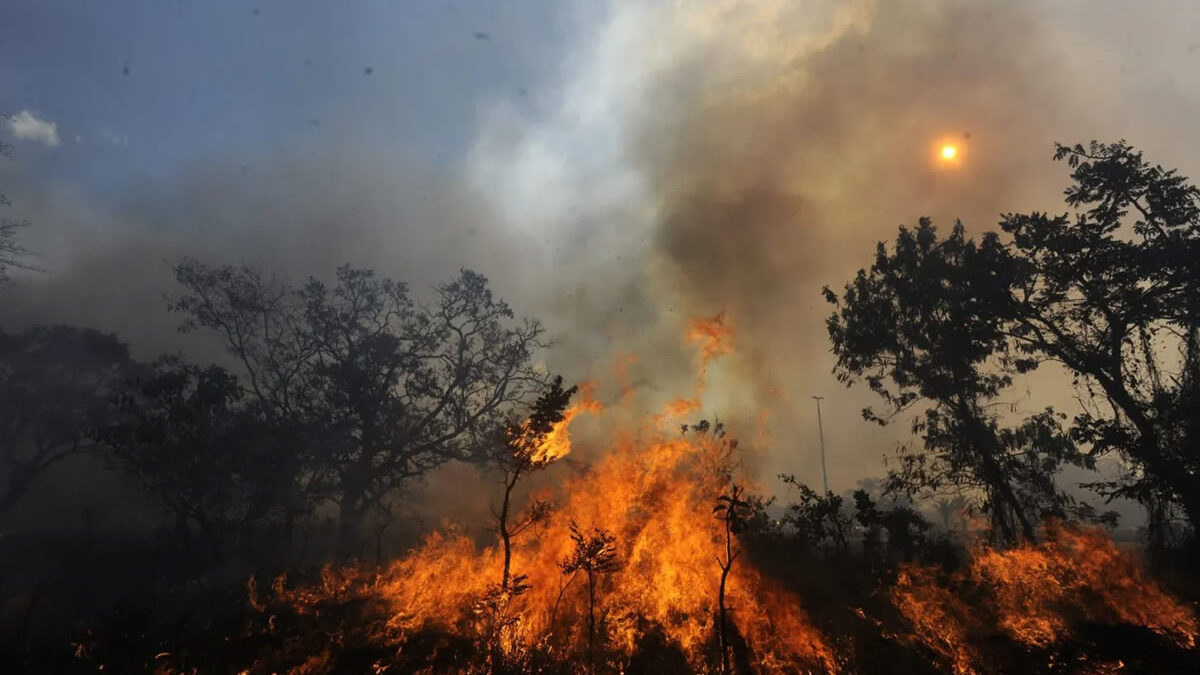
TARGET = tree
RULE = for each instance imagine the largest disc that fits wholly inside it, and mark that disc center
(926, 323)
(733, 510)
(816, 519)
(905, 527)
(55, 385)
(595, 553)
(185, 433)
(526, 446)
(524, 450)
(1111, 294)
(382, 388)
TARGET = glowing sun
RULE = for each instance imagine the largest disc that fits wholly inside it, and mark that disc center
(949, 152)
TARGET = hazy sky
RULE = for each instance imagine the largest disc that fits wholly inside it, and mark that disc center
(614, 166)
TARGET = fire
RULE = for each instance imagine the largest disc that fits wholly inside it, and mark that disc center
(652, 494)
(557, 443)
(628, 554)
(655, 499)
(714, 338)
(1035, 595)
(714, 335)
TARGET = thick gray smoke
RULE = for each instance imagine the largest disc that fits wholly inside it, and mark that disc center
(737, 156)
(108, 266)
(689, 158)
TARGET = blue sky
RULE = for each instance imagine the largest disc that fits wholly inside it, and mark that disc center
(139, 88)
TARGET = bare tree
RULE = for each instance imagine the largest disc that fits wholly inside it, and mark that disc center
(733, 510)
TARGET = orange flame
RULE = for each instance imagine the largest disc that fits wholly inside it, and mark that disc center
(653, 492)
(1031, 593)
(557, 443)
(714, 335)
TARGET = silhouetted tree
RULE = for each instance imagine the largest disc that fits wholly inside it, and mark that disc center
(595, 554)
(733, 510)
(905, 528)
(522, 452)
(1112, 294)
(187, 436)
(386, 389)
(55, 388)
(921, 326)
(722, 455)
(816, 521)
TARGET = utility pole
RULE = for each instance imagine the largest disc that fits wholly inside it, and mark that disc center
(821, 433)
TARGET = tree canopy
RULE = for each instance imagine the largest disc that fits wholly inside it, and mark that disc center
(1110, 292)
(384, 388)
(56, 384)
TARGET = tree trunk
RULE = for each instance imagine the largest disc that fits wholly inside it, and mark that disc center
(1189, 498)
(986, 444)
(349, 520)
(505, 536)
(722, 637)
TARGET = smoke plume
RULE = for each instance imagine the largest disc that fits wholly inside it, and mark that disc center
(709, 156)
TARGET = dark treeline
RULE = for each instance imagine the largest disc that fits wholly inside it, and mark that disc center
(337, 398)
(342, 396)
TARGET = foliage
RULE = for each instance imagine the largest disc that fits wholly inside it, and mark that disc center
(817, 522)
(1112, 297)
(186, 435)
(384, 388)
(520, 453)
(1113, 294)
(55, 384)
(594, 554)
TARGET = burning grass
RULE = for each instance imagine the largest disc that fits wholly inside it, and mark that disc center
(1041, 596)
(655, 501)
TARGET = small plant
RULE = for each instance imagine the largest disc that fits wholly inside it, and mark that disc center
(524, 452)
(595, 554)
(733, 510)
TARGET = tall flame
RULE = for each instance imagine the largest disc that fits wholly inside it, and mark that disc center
(653, 491)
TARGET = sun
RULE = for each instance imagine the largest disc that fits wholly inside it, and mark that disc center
(949, 152)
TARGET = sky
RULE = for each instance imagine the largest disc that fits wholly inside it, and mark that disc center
(613, 167)
(172, 83)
